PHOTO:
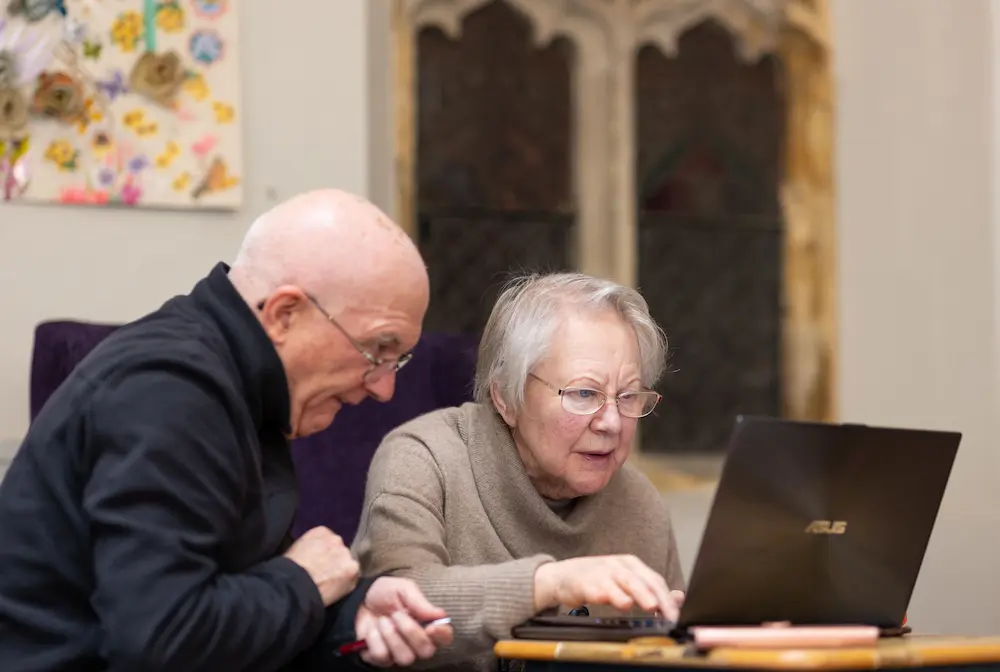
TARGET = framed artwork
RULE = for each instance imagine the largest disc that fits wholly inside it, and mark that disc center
(121, 102)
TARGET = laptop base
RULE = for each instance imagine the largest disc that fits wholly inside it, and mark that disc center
(620, 629)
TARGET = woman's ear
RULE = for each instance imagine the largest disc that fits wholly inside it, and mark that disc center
(502, 408)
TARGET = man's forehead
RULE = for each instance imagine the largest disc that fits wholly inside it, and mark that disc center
(389, 326)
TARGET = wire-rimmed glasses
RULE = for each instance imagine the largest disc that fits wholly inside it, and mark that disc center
(379, 367)
(587, 401)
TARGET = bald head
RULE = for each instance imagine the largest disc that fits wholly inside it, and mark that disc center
(338, 246)
(329, 256)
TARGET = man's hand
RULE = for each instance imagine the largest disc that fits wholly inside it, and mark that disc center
(328, 561)
(389, 621)
(622, 581)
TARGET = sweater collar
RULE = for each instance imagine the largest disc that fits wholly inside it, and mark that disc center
(522, 518)
(262, 375)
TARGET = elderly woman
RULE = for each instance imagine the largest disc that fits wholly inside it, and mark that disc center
(522, 502)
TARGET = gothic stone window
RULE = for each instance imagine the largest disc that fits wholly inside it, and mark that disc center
(710, 234)
(517, 100)
(493, 161)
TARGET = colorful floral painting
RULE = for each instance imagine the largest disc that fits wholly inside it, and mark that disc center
(128, 103)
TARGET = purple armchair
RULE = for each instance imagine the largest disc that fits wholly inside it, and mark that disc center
(333, 464)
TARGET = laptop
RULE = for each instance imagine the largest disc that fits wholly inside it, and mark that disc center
(812, 524)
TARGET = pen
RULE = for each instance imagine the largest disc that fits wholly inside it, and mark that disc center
(361, 645)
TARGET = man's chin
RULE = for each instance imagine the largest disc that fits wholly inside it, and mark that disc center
(316, 423)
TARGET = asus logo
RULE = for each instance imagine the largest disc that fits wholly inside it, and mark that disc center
(827, 527)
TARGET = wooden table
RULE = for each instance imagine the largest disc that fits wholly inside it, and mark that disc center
(928, 653)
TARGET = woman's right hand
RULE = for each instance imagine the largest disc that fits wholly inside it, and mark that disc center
(622, 581)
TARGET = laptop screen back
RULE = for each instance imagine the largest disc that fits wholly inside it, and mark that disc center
(818, 524)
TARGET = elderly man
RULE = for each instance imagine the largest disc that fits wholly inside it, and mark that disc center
(144, 523)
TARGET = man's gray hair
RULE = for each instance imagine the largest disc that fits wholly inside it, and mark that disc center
(519, 333)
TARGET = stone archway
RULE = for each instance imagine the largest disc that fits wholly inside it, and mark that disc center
(607, 35)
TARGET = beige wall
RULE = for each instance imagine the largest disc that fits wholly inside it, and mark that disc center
(308, 122)
(917, 261)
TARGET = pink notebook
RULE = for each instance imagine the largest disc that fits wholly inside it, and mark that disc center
(781, 636)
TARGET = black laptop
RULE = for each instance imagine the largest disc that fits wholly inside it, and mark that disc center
(812, 523)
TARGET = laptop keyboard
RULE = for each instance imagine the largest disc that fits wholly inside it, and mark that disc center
(633, 623)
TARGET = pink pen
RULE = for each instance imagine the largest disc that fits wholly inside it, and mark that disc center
(362, 645)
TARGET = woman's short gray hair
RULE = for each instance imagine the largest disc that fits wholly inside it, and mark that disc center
(530, 307)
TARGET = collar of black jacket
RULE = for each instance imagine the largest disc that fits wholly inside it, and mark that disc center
(263, 375)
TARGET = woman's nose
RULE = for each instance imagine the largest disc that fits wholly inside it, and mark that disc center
(608, 419)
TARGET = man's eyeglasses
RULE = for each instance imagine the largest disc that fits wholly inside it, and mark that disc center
(379, 367)
(587, 401)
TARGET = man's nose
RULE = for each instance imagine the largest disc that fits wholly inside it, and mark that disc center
(382, 388)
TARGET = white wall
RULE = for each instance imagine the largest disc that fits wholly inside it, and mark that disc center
(307, 113)
(918, 256)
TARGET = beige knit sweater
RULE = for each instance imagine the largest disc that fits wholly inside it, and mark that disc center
(448, 503)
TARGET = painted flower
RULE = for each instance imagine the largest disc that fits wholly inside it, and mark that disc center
(170, 16)
(106, 177)
(196, 86)
(204, 146)
(130, 194)
(101, 144)
(127, 31)
(134, 118)
(72, 195)
(62, 154)
(74, 30)
(137, 163)
(181, 182)
(169, 154)
(206, 46)
(82, 196)
(210, 9)
(224, 113)
(113, 86)
(14, 176)
(91, 114)
(14, 149)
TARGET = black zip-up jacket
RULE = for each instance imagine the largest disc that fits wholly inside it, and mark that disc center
(143, 519)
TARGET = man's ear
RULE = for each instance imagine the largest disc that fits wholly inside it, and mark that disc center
(281, 310)
(502, 408)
